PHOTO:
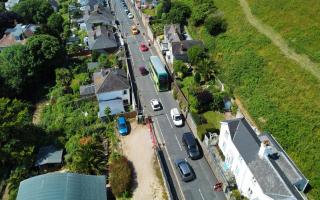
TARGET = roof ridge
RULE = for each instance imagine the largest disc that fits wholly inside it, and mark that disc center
(104, 79)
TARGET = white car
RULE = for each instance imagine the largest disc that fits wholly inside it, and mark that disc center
(155, 104)
(176, 117)
(130, 15)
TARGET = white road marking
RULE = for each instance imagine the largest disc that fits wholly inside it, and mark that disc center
(201, 194)
(169, 120)
(172, 167)
(178, 142)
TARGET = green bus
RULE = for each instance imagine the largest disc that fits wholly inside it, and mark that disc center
(159, 73)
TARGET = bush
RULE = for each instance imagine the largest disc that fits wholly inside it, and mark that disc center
(180, 69)
(120, 175)
(175, 94)
(204, 99)
(197, 77)
(200, 12)
(215, 24)
(179, 13)
(198, 119)
(196, 54)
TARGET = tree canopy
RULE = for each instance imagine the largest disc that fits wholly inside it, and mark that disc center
(34, 11)
(179, 13)
(196, 54)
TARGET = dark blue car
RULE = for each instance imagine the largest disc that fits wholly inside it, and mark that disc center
(122, 126)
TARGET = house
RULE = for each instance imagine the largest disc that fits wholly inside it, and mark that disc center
(261, 168)
(17, 35)
(174, 46)
(98, 22)
(101, 40)
(90, 3)
(111, 88)
(49, 157)
(58, 186)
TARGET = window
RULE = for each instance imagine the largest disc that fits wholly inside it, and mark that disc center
(125, 102)
(124, 91)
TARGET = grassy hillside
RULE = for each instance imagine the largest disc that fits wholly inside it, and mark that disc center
(281, 97)
(297, 21)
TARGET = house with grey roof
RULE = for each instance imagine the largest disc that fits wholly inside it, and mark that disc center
(261, 168)
(174, 45)
(97, 15)
(49, 157)
(10, 3)
(111, 88)
(58, 186)
(102, 40)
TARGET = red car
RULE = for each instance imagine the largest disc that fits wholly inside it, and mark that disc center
(143, 47)
(143, 70)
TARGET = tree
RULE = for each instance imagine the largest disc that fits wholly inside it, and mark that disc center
(207, 69)
(196, 54)
(215, 24)
(34, 11)
(180, 68)
(163, 7)
(179, 13)
(104, 61)
(200, 12)
(55, 24)
(15, 69)
(204, 99)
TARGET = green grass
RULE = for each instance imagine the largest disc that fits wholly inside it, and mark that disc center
(282, 98)
(213, 122)
(297, 21)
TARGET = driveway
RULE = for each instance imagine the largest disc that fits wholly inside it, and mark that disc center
(137, 147)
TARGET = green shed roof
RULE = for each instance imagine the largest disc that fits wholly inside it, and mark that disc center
(63, 186)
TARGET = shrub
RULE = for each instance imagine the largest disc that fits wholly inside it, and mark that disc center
(196, 54)
(175, 94)
(200, 12)
(198, 119)
(215, 24)
(204, 99)
(120, 175)
(180, 69)
(197, 77)
(179, 13)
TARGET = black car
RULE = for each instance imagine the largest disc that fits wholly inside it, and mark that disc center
(185, 170)
(190, 143)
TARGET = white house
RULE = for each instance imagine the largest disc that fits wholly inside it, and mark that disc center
(262, 169)
(111, 88)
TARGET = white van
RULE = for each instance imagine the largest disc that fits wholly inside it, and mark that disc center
(176, 117)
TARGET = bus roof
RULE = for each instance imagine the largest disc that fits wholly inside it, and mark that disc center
(158, 65)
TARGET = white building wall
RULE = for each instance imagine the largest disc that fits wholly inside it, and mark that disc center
(244, 178)
(115, 94)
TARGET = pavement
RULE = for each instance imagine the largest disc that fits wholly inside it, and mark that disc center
(168, 135)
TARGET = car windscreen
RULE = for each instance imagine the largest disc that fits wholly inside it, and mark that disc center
(177, 117)
(122, 126)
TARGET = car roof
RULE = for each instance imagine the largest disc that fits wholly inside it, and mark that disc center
(122, 120)
(184, 167)
(189, 138)
(175, 111)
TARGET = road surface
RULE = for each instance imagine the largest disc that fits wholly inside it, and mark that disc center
(170, 136)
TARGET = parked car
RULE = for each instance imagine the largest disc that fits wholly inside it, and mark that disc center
(190, 144)
(143, 70)
(143, 47)
(130, 15)
(176, 117)
(185, 170)
(134, 30)
(122, 126)
(155, 104)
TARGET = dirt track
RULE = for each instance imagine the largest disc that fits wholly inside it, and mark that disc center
(301, 59)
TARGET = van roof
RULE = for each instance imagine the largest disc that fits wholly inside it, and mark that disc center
(175, 111)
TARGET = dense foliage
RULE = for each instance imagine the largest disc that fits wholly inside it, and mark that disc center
(179, 13)
(120, 175)
(33, 11)
(179, 68)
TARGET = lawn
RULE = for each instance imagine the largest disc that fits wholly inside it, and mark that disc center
(213, 123)
(282, 98)
(297, 21)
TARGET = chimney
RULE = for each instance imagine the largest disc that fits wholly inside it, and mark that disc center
(265, 149)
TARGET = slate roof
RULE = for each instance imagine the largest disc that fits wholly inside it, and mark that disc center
(98, 14)
(87, 90)
(101, 38)
(49, 155)
(270, 177)
(115, 105)
(108, 80)
(181, 47)
(63, 186)
(172, 32)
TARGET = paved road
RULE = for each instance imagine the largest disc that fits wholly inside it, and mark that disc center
(201, 187)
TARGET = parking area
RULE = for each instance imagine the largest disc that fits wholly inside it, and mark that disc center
(137, 147)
